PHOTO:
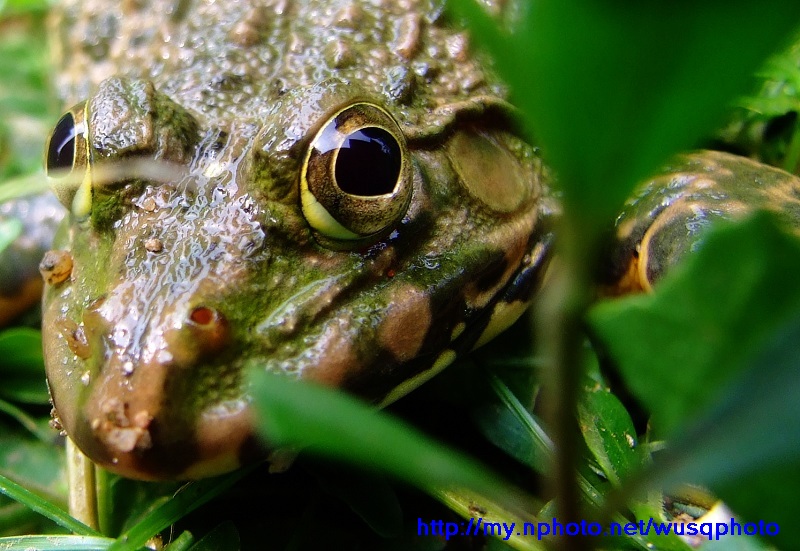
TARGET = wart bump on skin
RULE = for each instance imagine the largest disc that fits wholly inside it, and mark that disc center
(56, 267)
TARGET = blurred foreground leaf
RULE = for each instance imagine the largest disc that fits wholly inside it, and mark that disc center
(611, 88)
(331, 423)
(678, 346)
(725, 378)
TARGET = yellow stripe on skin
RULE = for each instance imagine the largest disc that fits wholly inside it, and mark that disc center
(445, 358)
(503, 316)
(457, 330)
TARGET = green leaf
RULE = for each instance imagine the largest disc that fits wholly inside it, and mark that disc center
(609, 433)
(186, 500)
(43, 507)
(739, 543)
(33, 463)
(337, 425)
(612, 88)
(678, 346)
(55, 543)
(130, 501)
(23, 186)
(224, 537)
(38, 427)
(503, 428)
(18, 7)
(730, 319)
(183, 542)
(730, 438)
(769, 495)
(732, 449)
(22, 366)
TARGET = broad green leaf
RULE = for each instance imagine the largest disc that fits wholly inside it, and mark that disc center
(503, 428)
(739, 543)
(39, 427)
(8, 7)
(747, 445)
(730, 438)
(612, 88)
(23, 186)
(339, 426)
(769, 495)
(677, 347)
(26, 99)
(609, 433)
(730, 322)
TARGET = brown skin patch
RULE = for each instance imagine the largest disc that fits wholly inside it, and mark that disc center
(406, 323)
(478, 297)
(338, 360)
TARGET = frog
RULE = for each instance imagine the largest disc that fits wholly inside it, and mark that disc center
(334, 191)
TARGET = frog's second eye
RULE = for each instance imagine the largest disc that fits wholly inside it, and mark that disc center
(61, 147)
(356, 179)
(67, 159)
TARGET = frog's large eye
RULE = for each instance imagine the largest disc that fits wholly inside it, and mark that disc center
(356, 178)
(67, 161)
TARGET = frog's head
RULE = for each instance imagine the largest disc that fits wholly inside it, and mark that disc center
(327, 242)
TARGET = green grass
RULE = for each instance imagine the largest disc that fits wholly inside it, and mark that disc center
(472, 439)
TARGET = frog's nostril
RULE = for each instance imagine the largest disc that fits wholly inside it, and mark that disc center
(210, 328)
(202, 316)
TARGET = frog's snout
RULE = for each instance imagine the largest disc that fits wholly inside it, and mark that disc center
(151, 387)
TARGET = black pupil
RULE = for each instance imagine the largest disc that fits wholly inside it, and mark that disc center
(61, 153)
(368, 163)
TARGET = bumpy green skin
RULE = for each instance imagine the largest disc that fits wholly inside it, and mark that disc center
(179, 285)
